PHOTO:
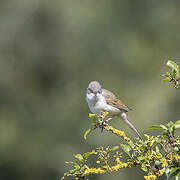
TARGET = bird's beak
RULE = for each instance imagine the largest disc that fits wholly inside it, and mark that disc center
(95, 93)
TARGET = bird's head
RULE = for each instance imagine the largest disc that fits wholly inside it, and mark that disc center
(94, 90)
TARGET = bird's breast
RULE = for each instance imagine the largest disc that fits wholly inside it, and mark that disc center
(100, 104)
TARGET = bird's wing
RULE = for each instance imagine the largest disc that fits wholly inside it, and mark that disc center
(108, 94)
(117, 104)
(112, 100)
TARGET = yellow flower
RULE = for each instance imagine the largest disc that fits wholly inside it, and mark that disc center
(116, 131)
(94, 170)
(127, 139)
(106, 167)
(161, 171)
(150, 177)
(120, 163)
(118, 166)
(164, 162)
(177, 157)
(115, 168)
(120, 134)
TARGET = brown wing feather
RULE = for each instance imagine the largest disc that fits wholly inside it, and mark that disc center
(117, 104)
(112, 100)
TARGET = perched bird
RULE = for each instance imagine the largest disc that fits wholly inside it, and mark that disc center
(100, 99)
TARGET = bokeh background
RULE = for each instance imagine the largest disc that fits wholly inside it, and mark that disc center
(51, 50)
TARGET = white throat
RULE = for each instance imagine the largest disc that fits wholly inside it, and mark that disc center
(95, 102)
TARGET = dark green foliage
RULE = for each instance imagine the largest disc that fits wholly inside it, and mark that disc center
(173, 77)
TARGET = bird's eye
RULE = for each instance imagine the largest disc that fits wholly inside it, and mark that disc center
(89, 90)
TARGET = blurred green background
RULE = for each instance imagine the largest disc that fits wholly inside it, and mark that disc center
(51, 50)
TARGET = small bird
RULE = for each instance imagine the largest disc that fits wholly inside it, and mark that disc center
(100, 99)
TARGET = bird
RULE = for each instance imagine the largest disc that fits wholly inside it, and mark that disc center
(100, 99)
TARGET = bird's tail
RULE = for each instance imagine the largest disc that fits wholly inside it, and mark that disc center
(128, 122)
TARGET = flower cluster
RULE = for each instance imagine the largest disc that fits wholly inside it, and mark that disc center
(153, 155)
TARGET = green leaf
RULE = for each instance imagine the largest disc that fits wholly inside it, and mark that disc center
(142, 147)
(171, 129)
(167, 74)
(141, 158)
(170, 64)
(158, 127)
(86, 133)
(173, 170)
(79, 157)
(174, 66)
(144, 168)
(65, 175)
(178, 175)
(93, 122)
(151, 142)
(177, 124)
(176, 149)
(100, 148)
(114, 148)
(94, 118)
(86, 155)
(126, 148)
(167, 79)
(146, 136)
(91, 115)
(105, 114)
(170, 124)
(163, 126)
